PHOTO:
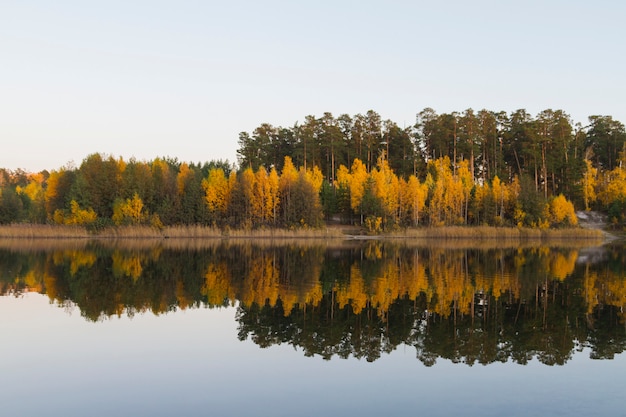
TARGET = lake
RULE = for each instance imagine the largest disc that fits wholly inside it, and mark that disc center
(311, 328)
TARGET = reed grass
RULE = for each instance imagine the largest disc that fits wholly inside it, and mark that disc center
(497, 233)
(207, 232)
(324, 233)
(477, 233)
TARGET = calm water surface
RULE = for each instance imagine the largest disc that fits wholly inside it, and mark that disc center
(309, 329)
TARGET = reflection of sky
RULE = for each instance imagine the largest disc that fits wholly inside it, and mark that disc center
(191, 362)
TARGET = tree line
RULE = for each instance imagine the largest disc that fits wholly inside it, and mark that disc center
(548, 147)
(548, 155)
(105, 191)
(469, 168)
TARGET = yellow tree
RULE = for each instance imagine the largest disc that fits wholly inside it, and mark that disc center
(57, 190)
(217, 192)
(477, 207)
(273, 199)
(613, 187)
(454, 199)
(76, 216)
(315, 177)
(402, 212)
(356, 184)
(286, 184)
(500, 193)
(129, 211)
(343, 176)
(35, 193)
(467, 183)
(589, 184)
(439, 179)
(514, 201)
(562, 212)
(262, 195)
(184, 175)
(415, 198)
(246, 184)
(386, 188)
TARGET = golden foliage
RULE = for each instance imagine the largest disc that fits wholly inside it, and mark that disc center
(76, 216)
(589, 184)
(386, 187)
(612, 187)
(129, 212)
(561, 212)
(185, 174)
(217, 191)
(356, 184)
(315, 177)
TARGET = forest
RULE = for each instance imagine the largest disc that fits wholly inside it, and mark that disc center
(459, 168)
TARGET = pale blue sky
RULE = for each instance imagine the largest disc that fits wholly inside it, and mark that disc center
(182, 78)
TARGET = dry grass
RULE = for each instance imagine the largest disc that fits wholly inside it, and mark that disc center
(211, 232)
(28, 231)
(200, 236)
(497, 233)
(205, 232)
(324, 233)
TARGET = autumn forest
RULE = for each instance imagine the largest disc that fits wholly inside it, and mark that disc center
(460, 168)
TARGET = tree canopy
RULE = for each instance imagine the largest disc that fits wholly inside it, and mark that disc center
(460, 168)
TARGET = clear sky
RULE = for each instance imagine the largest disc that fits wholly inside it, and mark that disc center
(180, 78)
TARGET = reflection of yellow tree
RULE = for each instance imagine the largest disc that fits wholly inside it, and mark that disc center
(615, 294)
(562, 265)
(408, 278)
(183, 299)
(451, 282)
(77, 259)
(50, 283)
(217, 287)
(126, 264)
(384, 273)
(610, 289)
(386, 289)
(32, 280)
(262, 282)
(353, 293)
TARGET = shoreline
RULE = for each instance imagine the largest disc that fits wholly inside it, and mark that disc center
(347, 232)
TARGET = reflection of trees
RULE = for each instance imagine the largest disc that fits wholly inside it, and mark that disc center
(469, 306)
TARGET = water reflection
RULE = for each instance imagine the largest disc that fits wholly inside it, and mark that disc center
(343, 299)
